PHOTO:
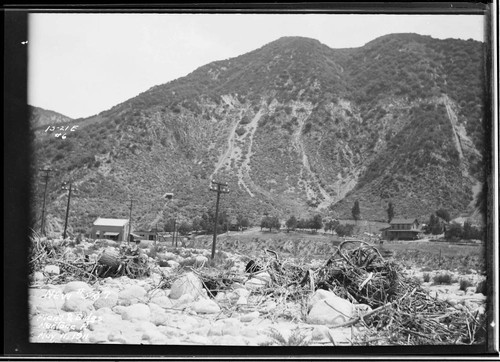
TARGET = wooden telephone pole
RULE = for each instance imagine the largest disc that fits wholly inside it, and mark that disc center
(130, 219)
(70, 189)
(46, 178)
(220, 188)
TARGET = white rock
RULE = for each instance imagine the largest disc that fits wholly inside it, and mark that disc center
(107, 299)
(320, 332)
(183, 302)
(318, 295)
(249, 316)
(173, 264)
(200, 261)
(242, 292)
(220, 296)
(189, 283)
(170, 256)
(75, 302)
(197, 339)
(242, 301)
(160, 318)
(77, 286)
(155, 337)
(332, 311)
(249, 332)
(98, 336)
(52, 269)
(163, 302)
(136, 312)
(205, 306)
(131, 295)
(255, 283)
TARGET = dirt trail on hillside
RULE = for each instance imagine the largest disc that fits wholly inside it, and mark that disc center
(454, 123)
(244, 178)
(298, 144)
(226, 156)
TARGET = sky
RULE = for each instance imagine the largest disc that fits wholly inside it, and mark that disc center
(82, 64)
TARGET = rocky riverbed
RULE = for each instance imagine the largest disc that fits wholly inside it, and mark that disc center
(143, 311)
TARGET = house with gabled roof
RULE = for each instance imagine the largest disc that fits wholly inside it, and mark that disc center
(112, 229)
(402, 229)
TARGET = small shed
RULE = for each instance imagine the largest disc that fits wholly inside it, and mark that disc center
(112, 229)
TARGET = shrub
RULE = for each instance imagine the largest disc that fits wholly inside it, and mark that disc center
(481, 287)
(427, 277)
(464, 284)
(442, 279)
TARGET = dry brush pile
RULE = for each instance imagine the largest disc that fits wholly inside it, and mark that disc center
(401, 312)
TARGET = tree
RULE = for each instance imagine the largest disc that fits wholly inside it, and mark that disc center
(390, 212)
(443, 214)
(331, 225)
(169, 225)
(454, 233)
(344, 230)
(356, 212)
(270, 222)
(242, 222)
(291, 223)
(435, 227)
(316, 222)
(196, 225)
(184, 228)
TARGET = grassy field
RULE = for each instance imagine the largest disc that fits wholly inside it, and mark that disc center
(305, 246)
(438, 255)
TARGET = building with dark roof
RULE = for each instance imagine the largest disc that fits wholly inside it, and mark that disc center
(402, 229)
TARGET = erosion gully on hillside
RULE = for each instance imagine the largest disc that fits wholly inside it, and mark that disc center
(355, 294)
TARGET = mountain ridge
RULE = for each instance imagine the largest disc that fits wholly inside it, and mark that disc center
(296, 128)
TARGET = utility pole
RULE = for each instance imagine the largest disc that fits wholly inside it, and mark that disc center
(46, 178)
(220, 188)
(173, 234)
(70, 189)
(130, 219)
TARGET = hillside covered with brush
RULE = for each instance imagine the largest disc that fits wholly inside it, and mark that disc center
(295, 128)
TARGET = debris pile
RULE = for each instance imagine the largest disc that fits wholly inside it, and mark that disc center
(355, 287)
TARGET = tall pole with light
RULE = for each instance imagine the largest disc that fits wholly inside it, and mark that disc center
(220, 188)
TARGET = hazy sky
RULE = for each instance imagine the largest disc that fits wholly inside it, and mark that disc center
(82, 64)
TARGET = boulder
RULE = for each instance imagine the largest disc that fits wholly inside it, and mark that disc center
(131, 295)
(52, 270)
(77, 286)
(140, 312)
(172, 264)
(38, 276)
(332, 311)
(249, 316)
(188, 283)
(318, 295)
(258, 281)
(163, 302)
(200, 261)
(75, 302)
(205, 306)
(107, 299)
(320, 332)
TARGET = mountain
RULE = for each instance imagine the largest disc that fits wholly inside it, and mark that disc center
(41, 118)
(295, 128)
